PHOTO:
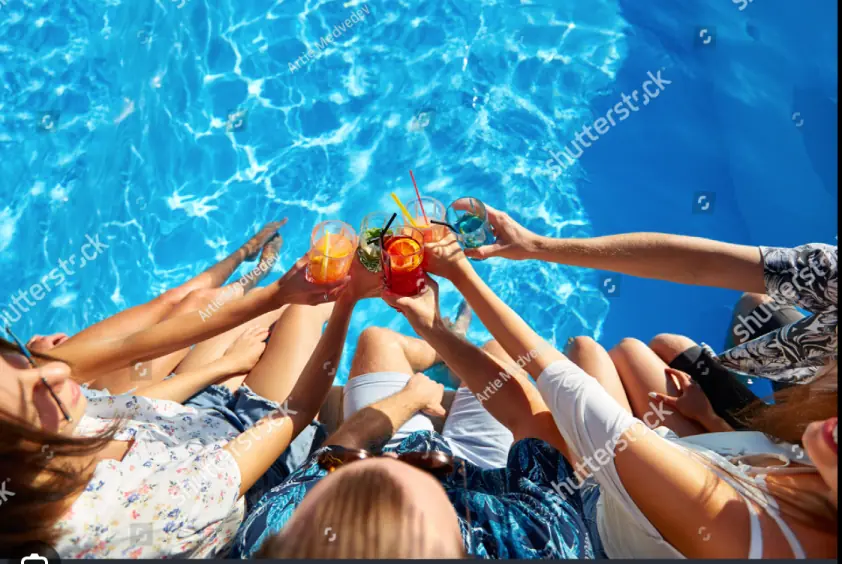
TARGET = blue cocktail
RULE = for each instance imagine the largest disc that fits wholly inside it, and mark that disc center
(469, 217)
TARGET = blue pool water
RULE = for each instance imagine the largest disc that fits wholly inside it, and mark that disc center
(173, 129)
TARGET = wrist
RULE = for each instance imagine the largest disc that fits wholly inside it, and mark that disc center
(462, 277)
(346, 301)
(537, 245)
(412, 399)
(423, 325)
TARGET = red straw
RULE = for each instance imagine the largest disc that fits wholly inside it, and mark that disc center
(417, 193)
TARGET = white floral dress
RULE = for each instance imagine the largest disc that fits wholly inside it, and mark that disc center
(174, 494)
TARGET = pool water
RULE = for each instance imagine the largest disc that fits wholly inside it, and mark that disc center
(171, 130)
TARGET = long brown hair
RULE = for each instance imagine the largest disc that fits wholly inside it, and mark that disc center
(795, 408)
(367, 515)
(38, 474)
(786, 419)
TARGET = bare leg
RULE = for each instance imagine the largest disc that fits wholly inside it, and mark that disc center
(383, 350)
(668, 346)
(145, 373)
(642, 371)
(146, 315)
(213, 349)
(291, 345)
(591, 357)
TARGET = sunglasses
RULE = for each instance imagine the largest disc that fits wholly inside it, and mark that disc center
(436, 463)
(29, 358)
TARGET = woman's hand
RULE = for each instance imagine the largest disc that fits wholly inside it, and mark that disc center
(244, 353)
(691, 401)
(427, 393)
(513, 240)
(445, 257)
(363, 284)
(422, 310)
(294, 288)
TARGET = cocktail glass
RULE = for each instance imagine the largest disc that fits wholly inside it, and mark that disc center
(332, 246)
(470, 218)
(402, 258)
(370, 230)
(434, 210)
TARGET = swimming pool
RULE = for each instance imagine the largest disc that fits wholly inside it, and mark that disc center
(173, 129)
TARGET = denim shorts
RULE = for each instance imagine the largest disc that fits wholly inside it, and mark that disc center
(244, 408)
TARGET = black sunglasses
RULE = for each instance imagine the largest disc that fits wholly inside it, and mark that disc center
(25, 352)
(435, 462)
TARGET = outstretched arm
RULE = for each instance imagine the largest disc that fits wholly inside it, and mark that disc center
(91, 359)
(675, 258)
(445, 258)
(504, 391)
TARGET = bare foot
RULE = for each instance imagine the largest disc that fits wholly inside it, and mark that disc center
(271, 251)
(463, 319)
(255, 244)
(244, 353)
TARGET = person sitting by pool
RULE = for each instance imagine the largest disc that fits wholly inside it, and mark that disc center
(386, 485)
(168, 466)
(203, 294)
(773, 340)
(749, 506)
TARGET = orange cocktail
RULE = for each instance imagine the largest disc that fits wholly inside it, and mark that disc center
(433, 209)
(332, 247)
(402, 257)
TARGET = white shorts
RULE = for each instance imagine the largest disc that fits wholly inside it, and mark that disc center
(470, 431)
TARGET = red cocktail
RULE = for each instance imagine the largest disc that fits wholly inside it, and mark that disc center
(402, 256)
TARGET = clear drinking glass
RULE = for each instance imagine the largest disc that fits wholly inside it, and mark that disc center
(332, 247)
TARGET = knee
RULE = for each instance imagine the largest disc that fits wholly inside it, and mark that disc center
(626, 348)
(579, 347)
(668, 346)
(197, 299)
(375, 338)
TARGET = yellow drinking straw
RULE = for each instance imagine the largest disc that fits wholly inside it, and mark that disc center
(324, 262)
(404, 211)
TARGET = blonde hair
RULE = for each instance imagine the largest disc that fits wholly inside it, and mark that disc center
(367, 514)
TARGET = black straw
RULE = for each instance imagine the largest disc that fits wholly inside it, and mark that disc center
(445, 224)
(386, 228)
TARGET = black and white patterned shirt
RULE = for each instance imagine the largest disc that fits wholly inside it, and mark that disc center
(806, 277)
